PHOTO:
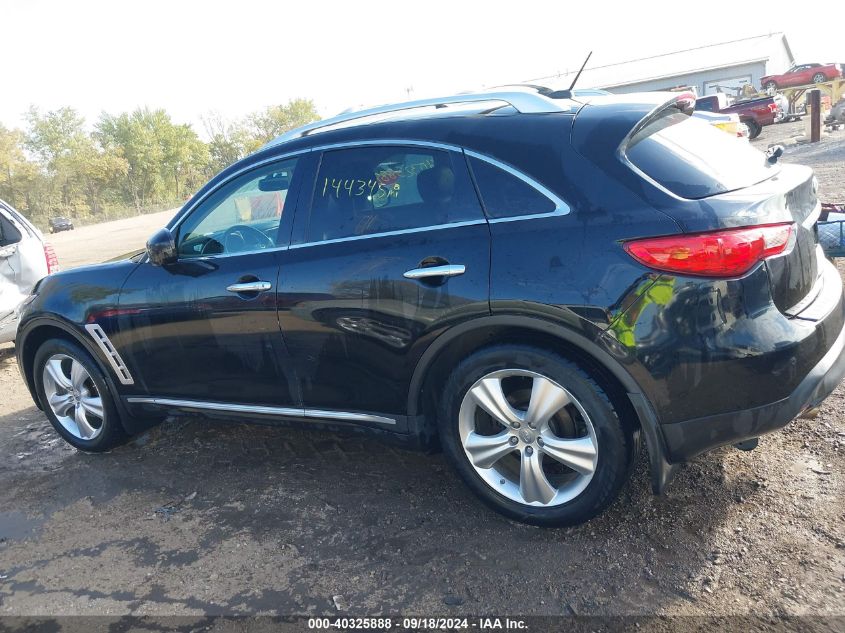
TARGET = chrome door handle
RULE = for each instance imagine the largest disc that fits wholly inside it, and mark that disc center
(250, 286)
(449, 270)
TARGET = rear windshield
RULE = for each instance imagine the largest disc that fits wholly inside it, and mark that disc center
(694, 159)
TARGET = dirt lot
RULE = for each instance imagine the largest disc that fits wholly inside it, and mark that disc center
(827, 157)
(199, 517)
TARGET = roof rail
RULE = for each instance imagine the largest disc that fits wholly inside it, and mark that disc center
(523, 101)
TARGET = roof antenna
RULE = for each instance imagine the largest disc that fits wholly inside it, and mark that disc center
(567, 94)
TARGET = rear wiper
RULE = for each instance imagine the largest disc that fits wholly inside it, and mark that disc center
(773, 153)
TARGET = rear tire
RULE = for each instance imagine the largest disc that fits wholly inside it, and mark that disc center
(770, 87)
(754, 129)
(819, 78)
(76, 397)
(555, 453)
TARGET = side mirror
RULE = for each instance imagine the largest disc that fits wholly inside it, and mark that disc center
(161, 248)
(275, 182)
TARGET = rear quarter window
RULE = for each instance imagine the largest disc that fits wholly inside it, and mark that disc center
(505, 195)
(694, 159)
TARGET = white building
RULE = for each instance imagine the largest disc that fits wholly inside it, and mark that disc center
(724, 67)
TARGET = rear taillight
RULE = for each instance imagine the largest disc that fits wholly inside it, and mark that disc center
(727, 253)
(773, 107)
(52, 260)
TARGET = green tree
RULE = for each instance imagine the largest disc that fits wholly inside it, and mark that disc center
(52, 135)
(100, 170)
(55, 166)
(229, 141)
(55, 138)
(16, 172)
(276, 120)
(162, 158)
(185, 157)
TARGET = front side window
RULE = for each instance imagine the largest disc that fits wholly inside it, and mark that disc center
(506, 195)
(368, 190)
(242, 216)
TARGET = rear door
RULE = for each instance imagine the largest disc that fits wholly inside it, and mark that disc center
(390, 247)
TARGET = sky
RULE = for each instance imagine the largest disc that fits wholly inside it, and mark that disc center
(239, 56)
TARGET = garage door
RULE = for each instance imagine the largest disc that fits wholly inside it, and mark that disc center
(729, 85)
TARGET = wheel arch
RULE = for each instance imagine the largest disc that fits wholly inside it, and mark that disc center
(445, 352)
(44, 328)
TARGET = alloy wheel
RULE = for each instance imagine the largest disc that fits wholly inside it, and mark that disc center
(73, 396)
(528, 437)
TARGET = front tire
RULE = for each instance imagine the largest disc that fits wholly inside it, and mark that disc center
(534, 436)
(770, 87)
(76, 397)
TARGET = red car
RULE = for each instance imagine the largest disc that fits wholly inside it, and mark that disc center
(801, 75)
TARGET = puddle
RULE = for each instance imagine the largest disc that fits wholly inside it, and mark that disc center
(15, 526)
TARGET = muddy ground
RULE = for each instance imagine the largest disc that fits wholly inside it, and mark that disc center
(198, 517)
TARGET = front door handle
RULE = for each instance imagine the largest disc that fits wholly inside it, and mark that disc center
(250, 286)
(448, 270)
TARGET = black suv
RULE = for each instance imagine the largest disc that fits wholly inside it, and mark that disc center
(60, 224)
(531, 283)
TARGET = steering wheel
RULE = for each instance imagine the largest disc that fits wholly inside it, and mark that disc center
(240, 238)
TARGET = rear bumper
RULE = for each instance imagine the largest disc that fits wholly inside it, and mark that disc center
(689, 438)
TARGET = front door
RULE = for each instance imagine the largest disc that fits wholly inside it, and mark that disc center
(390, 247)
(205, 327)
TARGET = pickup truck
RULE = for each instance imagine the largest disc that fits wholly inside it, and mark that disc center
(755, 113)
(801, 75)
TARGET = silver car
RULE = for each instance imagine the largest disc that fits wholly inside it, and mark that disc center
(24, 259)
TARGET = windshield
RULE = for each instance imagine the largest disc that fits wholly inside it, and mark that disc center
(694, 159)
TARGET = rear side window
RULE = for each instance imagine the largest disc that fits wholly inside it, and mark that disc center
(505, 195)
(9, 234)
(694, 159)
(367, 190)
(21, 221)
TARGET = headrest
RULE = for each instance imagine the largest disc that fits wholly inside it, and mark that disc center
(436, 184)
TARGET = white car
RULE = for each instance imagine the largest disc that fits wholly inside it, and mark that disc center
(24, 259)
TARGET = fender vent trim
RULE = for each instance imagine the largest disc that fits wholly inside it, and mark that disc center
(112, 356)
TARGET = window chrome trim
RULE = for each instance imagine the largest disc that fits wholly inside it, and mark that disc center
(111, 353)
(561, 207)
(389, 142)
(290, 412)
(204, 258)
(421, 229)
(238, 173)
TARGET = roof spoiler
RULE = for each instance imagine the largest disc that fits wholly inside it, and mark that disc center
(605, 124)
(681, 102)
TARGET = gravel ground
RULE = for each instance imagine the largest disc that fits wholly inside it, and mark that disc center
(827, 157)
(198, 517)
